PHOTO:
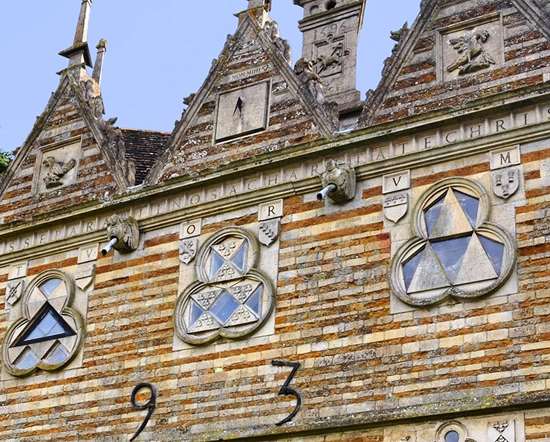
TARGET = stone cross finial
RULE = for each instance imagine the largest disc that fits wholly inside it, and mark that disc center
(101, 49)
(79, 52)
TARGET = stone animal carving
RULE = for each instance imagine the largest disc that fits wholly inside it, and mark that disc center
(56, 171)
(305, 71)
(325, 62)
(473, 56)
(342, 178)
(123, 234)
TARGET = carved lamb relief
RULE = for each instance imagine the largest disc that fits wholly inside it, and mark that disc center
(469, 50)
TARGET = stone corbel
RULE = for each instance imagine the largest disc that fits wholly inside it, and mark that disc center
(339, 183)
(122, 233)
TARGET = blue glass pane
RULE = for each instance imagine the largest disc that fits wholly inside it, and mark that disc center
(224, 307)
(216, 263)
(410, 266)
(50, 285)
(255, 301)
(48, 325)
(450, 253)
(452, 436)
(27, 360)
(196, 312)
(57, 356)
(431, 214)
(240, 257)
(494, 250)
(469, 204)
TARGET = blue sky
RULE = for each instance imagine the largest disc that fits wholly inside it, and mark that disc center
(159, 52)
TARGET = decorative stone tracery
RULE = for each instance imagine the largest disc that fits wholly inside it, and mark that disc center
(231, 298)
(49, 333)
(456, 251)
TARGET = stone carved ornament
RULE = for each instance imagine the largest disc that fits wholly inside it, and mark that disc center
(271, 29)
(305, 70)
(50, 331)
(343, 178)
(122, 233)
(456, 252)
(472, 55)
(231, 297)
(56, 171)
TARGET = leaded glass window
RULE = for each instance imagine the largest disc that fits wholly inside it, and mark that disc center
(48, 335)
(457, 251)
(231, 298)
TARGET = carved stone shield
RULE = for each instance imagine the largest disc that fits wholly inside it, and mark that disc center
(188, 250)
(396, 206)
(14, 290)
(85, 276)
(506, 182)
(268, 232)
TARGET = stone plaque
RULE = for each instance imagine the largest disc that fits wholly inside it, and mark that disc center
(57, 167)
(242, 111)
(505, 158)
(502, 431)
(396, 206)
(396, 182)
(14, 290)
(18, 270)
(87, 254)
(191, 229)
(271, 210)
(506, 182)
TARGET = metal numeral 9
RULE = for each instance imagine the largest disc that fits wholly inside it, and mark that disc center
(150, 405)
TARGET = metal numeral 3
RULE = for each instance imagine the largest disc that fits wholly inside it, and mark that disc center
(150, 405)
(287, 390)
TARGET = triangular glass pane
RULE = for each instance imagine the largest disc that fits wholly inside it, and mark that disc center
(255, 301)
(196, 312)
(410, 266)
(57, 355)
(450, 253)
(46, 326)
(470, 205)
(49, 287)
(495, 251)
(26, 360)
(431, 214)
(241, 256)
(216, 262)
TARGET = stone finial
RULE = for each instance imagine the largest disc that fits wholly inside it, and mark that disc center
(98, 68)
(255, 4)
(79, 52)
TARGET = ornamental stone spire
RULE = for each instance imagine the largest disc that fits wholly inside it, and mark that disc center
(79, 52)
(98, 68)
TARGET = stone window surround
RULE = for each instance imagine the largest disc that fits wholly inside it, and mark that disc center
(27, 317)
(419, 236)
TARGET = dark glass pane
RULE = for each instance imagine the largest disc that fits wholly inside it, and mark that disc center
(46, 326)
(495, 251)
(255, 301)
(216, 263)
(410, 266)
(431, 214)
(26, 360)
(241, 256)
(469, 204)
(452, 436)
(224, 307)
(58, 355)
(196, 312)
(450, 253)
(50, 285)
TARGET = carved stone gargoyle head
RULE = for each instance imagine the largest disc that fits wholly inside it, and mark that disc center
(339, 182)
(122, 233)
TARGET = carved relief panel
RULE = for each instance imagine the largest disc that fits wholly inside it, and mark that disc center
(57, 166)
(473, 47)
(242, 111)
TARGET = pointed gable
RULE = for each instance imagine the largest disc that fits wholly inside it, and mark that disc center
(252, 103)
(458, 52)
(71, 158)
